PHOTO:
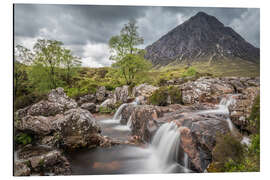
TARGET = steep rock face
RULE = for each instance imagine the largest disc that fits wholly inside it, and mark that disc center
(200, 37)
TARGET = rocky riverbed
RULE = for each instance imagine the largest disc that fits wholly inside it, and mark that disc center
(70, 137)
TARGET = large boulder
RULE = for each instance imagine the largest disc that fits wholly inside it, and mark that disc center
(205, 90)
(241, 109)
(121, 94)
(40, 160)
(101, 94)
(198, 134)
(57, 103)
(40, 125)
(77, 128)
(142, 119)
(91, 107)
(88, 98)
(144, 90)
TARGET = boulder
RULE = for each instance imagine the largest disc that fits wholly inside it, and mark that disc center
(57, 103)
(39, 125)
(41, 160)
(91, 107)
(143, 118)
(101, 94)
(121, 94)
(241, 109)
(88, 98)
(205, 89)
(198, 134)
(144, 90)
(77, 128)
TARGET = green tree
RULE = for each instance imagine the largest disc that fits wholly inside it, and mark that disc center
(129, 60)
(49, 54)
(70, 63)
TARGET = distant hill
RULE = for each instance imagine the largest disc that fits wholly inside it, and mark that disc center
(202, 37)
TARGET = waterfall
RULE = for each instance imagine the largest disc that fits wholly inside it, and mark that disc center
(129, 123)
(117, 115)
(105, 102)
(223, 108)
(165, 146)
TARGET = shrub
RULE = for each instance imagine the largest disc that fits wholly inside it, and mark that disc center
(254, 118)
(23, 138)
(106, 110)
(228, 147)
(190, 72)
(27, 100)
(161, 95)
(230, 155)
(175, 95)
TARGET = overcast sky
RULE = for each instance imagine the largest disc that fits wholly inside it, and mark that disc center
(86, 30)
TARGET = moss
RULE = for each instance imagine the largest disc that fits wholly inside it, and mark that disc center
(23, 138)
(254, 118)
(161, 95)
(229, 155)
(106, 110)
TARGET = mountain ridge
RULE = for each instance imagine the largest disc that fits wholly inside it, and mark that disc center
(201, 37)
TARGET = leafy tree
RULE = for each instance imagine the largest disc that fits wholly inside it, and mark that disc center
(23, 55)
(70, 64)
(130, 65)
(129, 60)
(48, 55)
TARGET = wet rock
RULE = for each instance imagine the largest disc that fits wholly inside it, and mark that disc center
(77, 128)
(198, 134)
(42, 160)
(21, 169)
(241, 109)
(91, 107)
(143, 119)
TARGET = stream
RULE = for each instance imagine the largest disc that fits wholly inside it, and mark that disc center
(160, 156)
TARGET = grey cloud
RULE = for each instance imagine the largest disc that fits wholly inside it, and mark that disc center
(80, 25)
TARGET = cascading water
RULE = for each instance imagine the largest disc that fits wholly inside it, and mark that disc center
(223, 108)
(118, 115)
(165, 146)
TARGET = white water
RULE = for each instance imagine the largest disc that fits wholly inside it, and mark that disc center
(186, 162)
(164, 149)
(117, 117)
(246, 141)
(104, 102)
(223, 108)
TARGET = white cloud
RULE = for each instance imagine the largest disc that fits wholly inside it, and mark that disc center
(96, 55)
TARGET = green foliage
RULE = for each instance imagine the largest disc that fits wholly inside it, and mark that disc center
(160, 96)
(106, 110)
(129, 61)
(125, 43)
(191, 71)
(23, 138)
(254, 118)
(28, 99)
(131, 65)
(229, 155)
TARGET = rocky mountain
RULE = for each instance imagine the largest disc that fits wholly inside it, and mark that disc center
(202, 37)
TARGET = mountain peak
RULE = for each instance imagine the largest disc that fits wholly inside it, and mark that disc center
(201, 37)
